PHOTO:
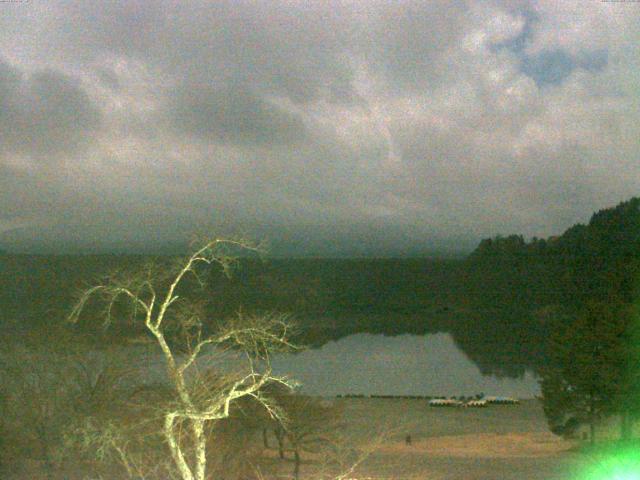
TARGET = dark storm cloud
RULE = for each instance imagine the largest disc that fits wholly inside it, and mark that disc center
(43, 114)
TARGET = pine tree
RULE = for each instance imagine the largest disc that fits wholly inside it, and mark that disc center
(588, 376)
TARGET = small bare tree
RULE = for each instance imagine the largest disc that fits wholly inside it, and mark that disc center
(46, 391)
(38, 399)
(176, 324)
(312, 425)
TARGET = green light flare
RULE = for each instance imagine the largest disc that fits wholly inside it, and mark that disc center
(614, 464)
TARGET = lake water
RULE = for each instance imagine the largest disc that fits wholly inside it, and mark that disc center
(400, 365)
(369, 364)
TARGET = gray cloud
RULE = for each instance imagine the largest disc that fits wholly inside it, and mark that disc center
(408, 120)
(410, 41)
(233, 115)
(43, 114)
(290, 48)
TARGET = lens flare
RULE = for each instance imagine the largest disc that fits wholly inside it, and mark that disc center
(621, 463)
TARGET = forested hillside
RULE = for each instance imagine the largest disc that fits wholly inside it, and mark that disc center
(522, 288)
(588, 262)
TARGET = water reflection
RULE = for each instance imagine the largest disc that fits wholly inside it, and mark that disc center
(400, 365)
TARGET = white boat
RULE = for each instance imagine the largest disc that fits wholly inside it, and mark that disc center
(444, 402)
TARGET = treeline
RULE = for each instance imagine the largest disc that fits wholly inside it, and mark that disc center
(536, 284)
(591, 368)
(588, 262)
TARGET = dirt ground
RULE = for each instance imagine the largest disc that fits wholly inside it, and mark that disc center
(500, 442)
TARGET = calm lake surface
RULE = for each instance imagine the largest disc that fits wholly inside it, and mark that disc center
(369, 364)
(401, 365)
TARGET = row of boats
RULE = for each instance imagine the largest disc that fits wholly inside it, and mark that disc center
(476, 403)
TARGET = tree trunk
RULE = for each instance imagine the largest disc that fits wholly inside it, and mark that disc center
(296, 464)
(200, 440)
(176, 451)
(280, 438)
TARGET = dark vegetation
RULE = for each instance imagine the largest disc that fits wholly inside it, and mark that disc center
(592, 371)
(499, 304)
(585, 283)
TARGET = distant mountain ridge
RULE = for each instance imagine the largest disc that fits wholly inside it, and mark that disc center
(352, 240)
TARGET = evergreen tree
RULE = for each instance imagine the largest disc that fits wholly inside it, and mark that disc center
(588, 376)
(629, 394)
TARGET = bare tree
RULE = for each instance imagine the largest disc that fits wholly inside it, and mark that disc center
(312, 425)
(202, 398)
(39, 397)
(336, 446)
(348, 451)
(119, 422)
(45, 391)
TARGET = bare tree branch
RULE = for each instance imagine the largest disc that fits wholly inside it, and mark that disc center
(202, 398)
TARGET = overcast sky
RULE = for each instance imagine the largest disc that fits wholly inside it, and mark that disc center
(333, 127)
